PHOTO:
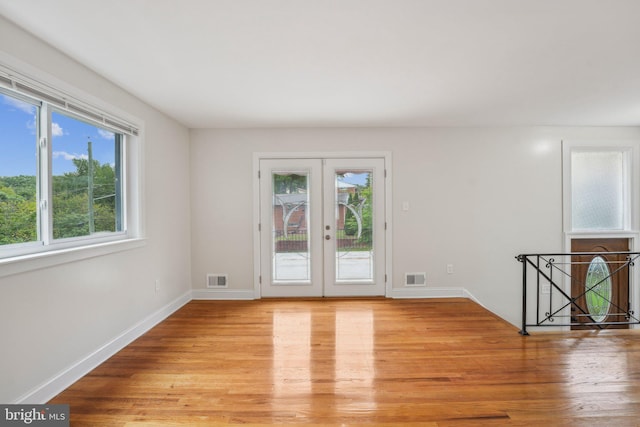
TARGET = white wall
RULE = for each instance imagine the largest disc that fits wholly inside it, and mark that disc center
(478, 197)
(51, 318)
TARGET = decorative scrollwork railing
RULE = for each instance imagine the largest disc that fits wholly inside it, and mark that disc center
(578, 290)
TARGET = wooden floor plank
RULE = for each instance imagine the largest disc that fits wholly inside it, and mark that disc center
(359, 362)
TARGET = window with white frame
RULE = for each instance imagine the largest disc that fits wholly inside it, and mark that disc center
(598, 180)
(598, 184)
(63, 171)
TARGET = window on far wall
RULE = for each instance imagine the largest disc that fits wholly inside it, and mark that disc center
(62, 174)
(598, 182)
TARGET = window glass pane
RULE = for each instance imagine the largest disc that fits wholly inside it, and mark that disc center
(353, 223)
(18, 170)
(290, 228)
(597, 190)
(86, 183)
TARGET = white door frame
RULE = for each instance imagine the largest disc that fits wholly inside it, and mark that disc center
(631, 229)
(386, 155)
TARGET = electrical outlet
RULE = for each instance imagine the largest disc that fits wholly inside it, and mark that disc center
(157, 285)
(449, 268)
(546, 289)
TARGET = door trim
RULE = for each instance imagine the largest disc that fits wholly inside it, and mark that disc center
(386, 155)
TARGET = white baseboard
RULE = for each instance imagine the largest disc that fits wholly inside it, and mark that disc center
(413, 292)
(476, 300)
(60, 382)
(429, 292)
(223, 294)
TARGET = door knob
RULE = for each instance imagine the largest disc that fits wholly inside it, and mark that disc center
(327, 237)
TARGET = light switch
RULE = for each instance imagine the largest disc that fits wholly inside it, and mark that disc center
(405, 206)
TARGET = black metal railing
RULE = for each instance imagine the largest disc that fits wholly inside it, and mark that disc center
(573, 290)
(296, 240)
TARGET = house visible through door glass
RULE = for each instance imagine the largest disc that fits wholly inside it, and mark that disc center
(354, 225)
(290, 228)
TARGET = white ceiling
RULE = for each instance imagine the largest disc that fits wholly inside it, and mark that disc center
(292, 63)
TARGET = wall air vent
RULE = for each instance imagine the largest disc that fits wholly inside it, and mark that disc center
(415, 279)
(217, 281)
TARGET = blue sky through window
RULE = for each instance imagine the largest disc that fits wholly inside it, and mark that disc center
(70, 141)
(18, 140)
(18, 137)
(356, 178)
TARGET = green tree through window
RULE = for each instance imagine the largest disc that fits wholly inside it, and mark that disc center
(83, 161)
(85, 184)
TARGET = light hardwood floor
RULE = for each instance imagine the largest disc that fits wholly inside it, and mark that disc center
(360, 361)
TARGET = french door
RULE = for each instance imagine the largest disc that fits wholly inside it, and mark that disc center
(322, 227)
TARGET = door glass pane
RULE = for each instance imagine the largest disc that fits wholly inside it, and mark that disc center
(18, 170)
(597, 190)
(598, 289)
(290, 228)
(354, 225)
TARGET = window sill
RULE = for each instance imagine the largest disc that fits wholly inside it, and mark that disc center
(601, 233)
(36, 261)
